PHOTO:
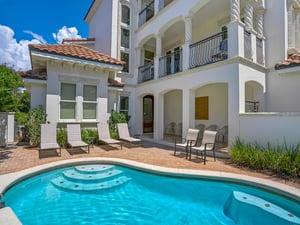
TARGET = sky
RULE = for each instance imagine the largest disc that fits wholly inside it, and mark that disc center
(24, 22)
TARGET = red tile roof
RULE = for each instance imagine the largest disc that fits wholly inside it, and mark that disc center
(292, 61)
(76, 51)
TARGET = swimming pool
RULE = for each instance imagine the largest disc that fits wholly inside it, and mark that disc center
(112, 194)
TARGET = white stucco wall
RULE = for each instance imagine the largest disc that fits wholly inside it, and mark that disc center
(37, 95)
(275, 29)
(218, 104)
(283, 91)
(100, 27)
(173, 107)
(273, 128)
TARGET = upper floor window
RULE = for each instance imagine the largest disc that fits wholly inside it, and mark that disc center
(125, 58)
(68, 101)
(125, 14)
(125, 37)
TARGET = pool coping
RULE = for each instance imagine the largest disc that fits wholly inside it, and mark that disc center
(10, 179)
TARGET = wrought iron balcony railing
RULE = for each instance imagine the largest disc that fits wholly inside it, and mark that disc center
(209, 50)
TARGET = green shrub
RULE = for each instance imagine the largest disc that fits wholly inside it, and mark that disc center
(62, 137)
(116, 117)
(36, 117)
(283, 160)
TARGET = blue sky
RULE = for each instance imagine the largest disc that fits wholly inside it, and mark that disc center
(23, 22)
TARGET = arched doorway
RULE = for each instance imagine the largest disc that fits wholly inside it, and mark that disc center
(148, 114)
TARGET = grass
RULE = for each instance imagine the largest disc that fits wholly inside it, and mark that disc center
(282, 160)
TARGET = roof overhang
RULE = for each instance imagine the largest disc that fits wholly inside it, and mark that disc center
(92, 10)
(48, 56)
(289, 71)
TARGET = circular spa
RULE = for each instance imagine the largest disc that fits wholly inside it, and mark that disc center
(114, 194)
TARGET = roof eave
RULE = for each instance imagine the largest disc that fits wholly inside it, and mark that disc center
(46, 55)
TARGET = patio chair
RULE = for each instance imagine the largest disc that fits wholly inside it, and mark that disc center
(208, 144)
(48, 139)
(124, 135)
(190, 140)
(223, 134)
(74, 137)
(104, 135)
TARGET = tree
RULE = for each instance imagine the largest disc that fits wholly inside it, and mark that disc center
(13, 96)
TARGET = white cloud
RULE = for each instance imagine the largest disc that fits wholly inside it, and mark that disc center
(65, 32)
(14, 54)
(36, 36)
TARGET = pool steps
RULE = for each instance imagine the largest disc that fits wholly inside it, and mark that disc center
(90, 178)
(257, 210)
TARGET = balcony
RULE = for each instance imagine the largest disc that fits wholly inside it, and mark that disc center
(146, 14)
(170, 64)
(209, 50)
(146, 72)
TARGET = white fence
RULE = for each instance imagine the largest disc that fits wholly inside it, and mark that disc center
(273, 128)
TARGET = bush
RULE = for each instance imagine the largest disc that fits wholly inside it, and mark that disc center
(116, 117)
(36, 117)
(283, 160)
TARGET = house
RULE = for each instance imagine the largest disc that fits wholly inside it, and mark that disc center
(74, 83)
(192, 63)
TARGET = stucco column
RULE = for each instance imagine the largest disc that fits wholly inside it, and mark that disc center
(188, 110)
(259, 22)
(138, 60)
(291, 28)
(156, 6)
(158, 117)
(235, 10)
(188, 41)
(157, 55)
(249, 15)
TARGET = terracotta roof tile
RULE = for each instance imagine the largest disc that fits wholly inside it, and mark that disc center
(40, 74)
(76, 51)
(114, 83)
(292, 61)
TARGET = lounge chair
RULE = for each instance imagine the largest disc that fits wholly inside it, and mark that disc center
(74, 137)
(104, 135)
(124, 135)
(190, 140)
(48, 139)
(208, 144)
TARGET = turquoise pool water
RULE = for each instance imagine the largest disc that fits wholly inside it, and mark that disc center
(108, 194)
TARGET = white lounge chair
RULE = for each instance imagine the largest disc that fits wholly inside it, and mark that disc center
(74, 137)
(124, 135)
(190, 140)
(208, 144)
(48, 139)
(104, 135)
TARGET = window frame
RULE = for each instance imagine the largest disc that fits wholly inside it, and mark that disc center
(89, 102)
(73, 101)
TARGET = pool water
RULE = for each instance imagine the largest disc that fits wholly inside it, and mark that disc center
(108, 194)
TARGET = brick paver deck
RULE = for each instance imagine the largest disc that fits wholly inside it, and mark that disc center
(14, 159)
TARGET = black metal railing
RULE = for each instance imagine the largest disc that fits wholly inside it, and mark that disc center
(146, 72)
(146, 14)
(251, 106)
(259, 51)
(170, 64)
(209, 50)
(247, 45)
